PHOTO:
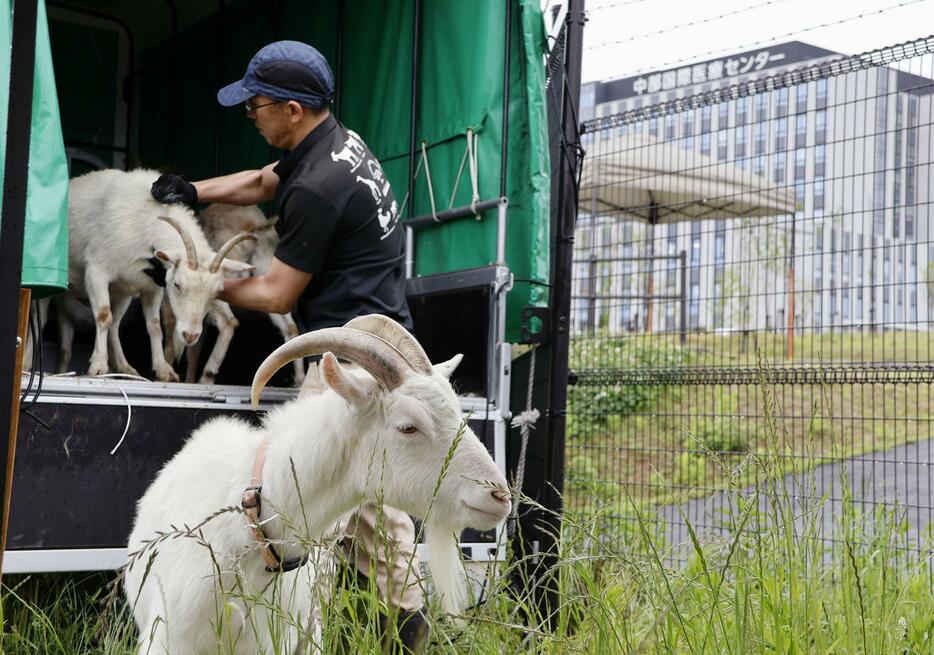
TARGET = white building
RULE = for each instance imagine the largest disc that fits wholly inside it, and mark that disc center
(856, 148)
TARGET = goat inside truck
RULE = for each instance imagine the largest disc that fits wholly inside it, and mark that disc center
(472, 245)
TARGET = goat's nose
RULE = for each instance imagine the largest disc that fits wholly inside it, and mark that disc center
(500, 495)
(190, 337)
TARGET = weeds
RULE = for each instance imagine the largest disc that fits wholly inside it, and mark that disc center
(763, 581)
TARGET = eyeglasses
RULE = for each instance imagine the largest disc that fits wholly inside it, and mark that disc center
(251, 108)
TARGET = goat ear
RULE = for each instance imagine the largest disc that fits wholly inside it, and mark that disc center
(169, 256)
(344, 383)
(313, 384)
(445, 369)
(234, 266)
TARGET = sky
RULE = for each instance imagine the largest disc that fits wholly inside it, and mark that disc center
(621, 36)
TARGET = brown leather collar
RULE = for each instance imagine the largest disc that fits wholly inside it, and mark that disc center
(252, 504)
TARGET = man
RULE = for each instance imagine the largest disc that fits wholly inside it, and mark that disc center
(340, 253)
(341, 248)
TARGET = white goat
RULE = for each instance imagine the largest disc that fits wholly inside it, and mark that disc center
(113, 236)
(220, 223)
(396, 434)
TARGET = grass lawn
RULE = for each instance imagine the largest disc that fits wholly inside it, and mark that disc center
(654, 439)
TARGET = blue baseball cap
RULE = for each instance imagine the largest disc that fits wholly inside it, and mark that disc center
(284, 70)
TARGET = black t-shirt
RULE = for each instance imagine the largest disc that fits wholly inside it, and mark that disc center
(339, 221)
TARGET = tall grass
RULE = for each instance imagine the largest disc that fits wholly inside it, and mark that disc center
(764, 583)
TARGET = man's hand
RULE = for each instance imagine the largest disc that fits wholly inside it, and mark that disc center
(173, 189)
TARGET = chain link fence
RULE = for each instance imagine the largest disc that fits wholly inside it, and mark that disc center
(753, 284)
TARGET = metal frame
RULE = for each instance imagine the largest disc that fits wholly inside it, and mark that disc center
(88, 391)
(12, 228)
(499, 352)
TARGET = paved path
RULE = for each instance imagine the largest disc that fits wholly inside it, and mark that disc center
(900, 480)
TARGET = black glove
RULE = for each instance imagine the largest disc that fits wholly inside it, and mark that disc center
(172, 189)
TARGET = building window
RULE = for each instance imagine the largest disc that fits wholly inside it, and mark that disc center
(781, 134)
(780, 166)
(801, 128)
(687, 128)
(588, 98)
(739, 152)
(758, 165)
(653, 126)
(694, 294)
(762, 107)
(820, 161)
(782, 105)
(818, 194)
(719, 259)
(669, 127)
(801, 98)
(742, 110)
(723, 117)
(705, 143)
(911, 157)
(721, 144)
(759, 131)
(705, 118)
(821, 92)
(820, 126)
(800, 164)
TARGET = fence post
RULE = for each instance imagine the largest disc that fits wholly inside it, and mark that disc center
(683, 256)
(790, 330)
(564, 218)
(13, 225)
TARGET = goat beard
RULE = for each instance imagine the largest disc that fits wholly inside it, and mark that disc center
(447, 569)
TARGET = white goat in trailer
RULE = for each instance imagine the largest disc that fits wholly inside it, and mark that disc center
(220, 223)
(396, 434)
(116, 229)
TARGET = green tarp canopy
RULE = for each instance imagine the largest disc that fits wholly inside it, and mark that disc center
(45, 248)
(167, 115)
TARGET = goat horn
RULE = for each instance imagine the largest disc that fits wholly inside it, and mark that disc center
(224, 249)
(377, 356)
(389, 330)
(190, 251)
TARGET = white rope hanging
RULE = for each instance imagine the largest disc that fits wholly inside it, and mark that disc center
(470, 154)
(431, 191)
(525, 421)
(474, 184)
(470, 158)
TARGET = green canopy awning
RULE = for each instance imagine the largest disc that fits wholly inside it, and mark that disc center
(45, 247)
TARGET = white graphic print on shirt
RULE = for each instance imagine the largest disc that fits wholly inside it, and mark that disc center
(353, 154)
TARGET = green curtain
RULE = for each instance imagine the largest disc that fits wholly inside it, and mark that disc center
(45, 248)
(460, 86)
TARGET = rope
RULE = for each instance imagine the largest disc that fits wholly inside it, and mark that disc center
(460, 171)
(431, 191)
(472, 153)
(108, 377)
(469, 154)
(526, 423)
(406, 199)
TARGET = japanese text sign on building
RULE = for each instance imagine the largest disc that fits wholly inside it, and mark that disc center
(705, 72)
